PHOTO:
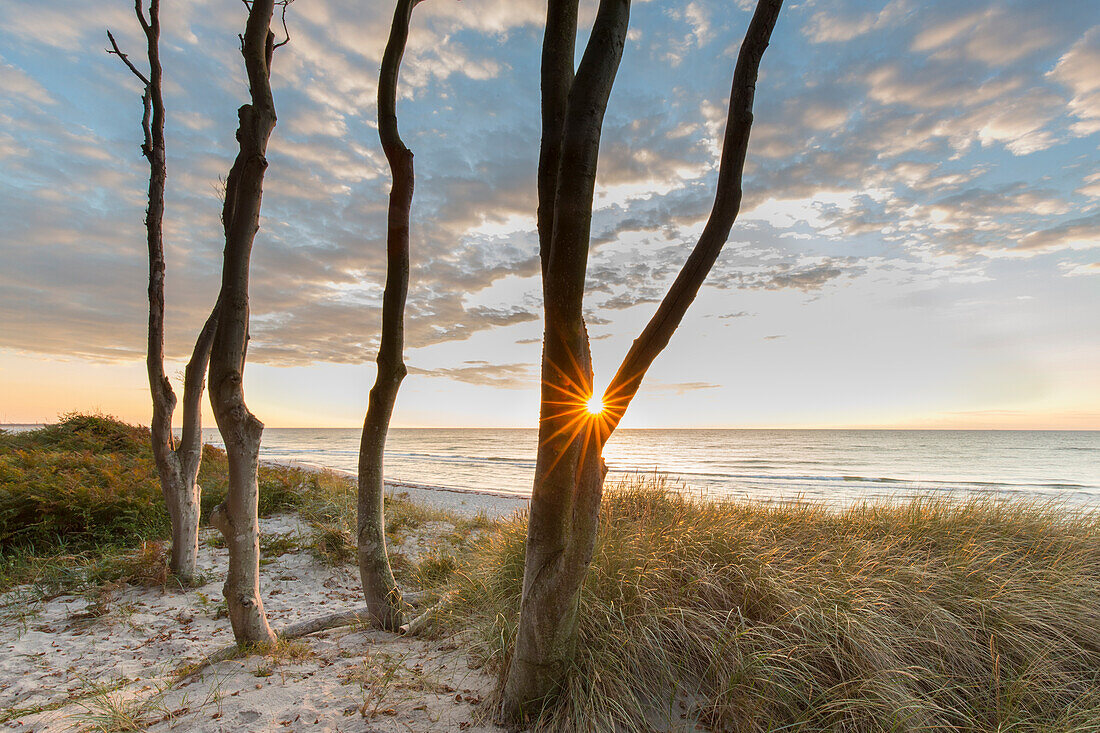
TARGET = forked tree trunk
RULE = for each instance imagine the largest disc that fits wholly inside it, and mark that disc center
(177, 465)
(381, 593)
(183, 495)
(569, 471)
(236, 517)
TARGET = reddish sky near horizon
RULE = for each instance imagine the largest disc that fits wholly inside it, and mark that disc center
(918, 245)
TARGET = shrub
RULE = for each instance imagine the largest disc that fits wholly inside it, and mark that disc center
(929, 615)
(86, 482)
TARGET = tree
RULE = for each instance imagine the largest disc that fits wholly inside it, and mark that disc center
(569, 469)
(383, 598)
(177, 464)
(236, 517)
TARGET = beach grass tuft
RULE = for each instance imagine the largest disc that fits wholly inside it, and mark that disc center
(976, 615)
(81, 505)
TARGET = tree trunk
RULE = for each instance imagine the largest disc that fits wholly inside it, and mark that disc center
(236, 517)
(569, 469)
(569, 472)
(380, 590)
(184, 495)
(177, 466)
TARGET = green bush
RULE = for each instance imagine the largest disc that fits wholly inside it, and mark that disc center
(83, 483)
(82, 493)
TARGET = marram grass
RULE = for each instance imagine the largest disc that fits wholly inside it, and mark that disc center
(89, 482)
(922, 616)
(80, 504)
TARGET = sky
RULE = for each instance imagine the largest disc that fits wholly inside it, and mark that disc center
(918, 246)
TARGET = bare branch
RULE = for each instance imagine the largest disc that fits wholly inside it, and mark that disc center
(286, 32)
(727, 203)
(114, 51)
(153, 13)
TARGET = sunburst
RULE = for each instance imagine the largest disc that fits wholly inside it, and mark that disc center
(579, 413)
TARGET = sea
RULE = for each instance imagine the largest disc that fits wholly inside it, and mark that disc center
(831, 466)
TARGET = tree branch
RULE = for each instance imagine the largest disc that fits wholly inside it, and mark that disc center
(286, 32)
(558, 49)
(580, 143)
(727, 202)
(114, 50)
(154, 12)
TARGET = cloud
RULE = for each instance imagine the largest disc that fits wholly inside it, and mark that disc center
(678, 388)
(830, 27)
(484, 374)
(906, 136)
(1081, 233)
(698, 17)
(992, 35)
(1071, 269)
(14, 82)
(804, 278)
(1076, 70)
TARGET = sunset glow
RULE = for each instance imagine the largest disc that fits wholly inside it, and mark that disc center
(594, 405)
(917, 246)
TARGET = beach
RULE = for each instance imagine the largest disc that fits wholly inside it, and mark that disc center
(66, 660)
(465, 502)
(697, 613)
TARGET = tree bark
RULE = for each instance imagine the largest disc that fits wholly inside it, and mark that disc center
(184, 498)
(177, 466)
(568, 468)
(383, 598)
(569, 471)
(236, 517)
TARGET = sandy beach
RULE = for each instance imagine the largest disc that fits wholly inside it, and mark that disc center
(68, 661)
(464, 502)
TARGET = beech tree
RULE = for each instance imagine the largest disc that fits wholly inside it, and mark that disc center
(382, 596)
(236, 517)
(177, 464)
(569, 470)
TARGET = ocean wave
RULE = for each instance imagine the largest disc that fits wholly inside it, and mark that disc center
(833, 465)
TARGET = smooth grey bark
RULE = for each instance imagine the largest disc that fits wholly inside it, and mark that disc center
(177, 464)
(380, 590)
(569, 471)
(236, 517)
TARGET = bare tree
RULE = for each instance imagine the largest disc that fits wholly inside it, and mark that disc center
(379, 588)
(236, 517)
(569, 470)
(177, 465)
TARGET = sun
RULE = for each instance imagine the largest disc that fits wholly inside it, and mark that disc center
(594, 406)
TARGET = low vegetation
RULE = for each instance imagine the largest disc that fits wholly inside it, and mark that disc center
(928, 615)
(80, 505)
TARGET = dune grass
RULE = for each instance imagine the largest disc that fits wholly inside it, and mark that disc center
(89, 483)
(80, 505)
(928, 615)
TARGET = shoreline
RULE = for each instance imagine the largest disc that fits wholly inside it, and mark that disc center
(467, 502)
